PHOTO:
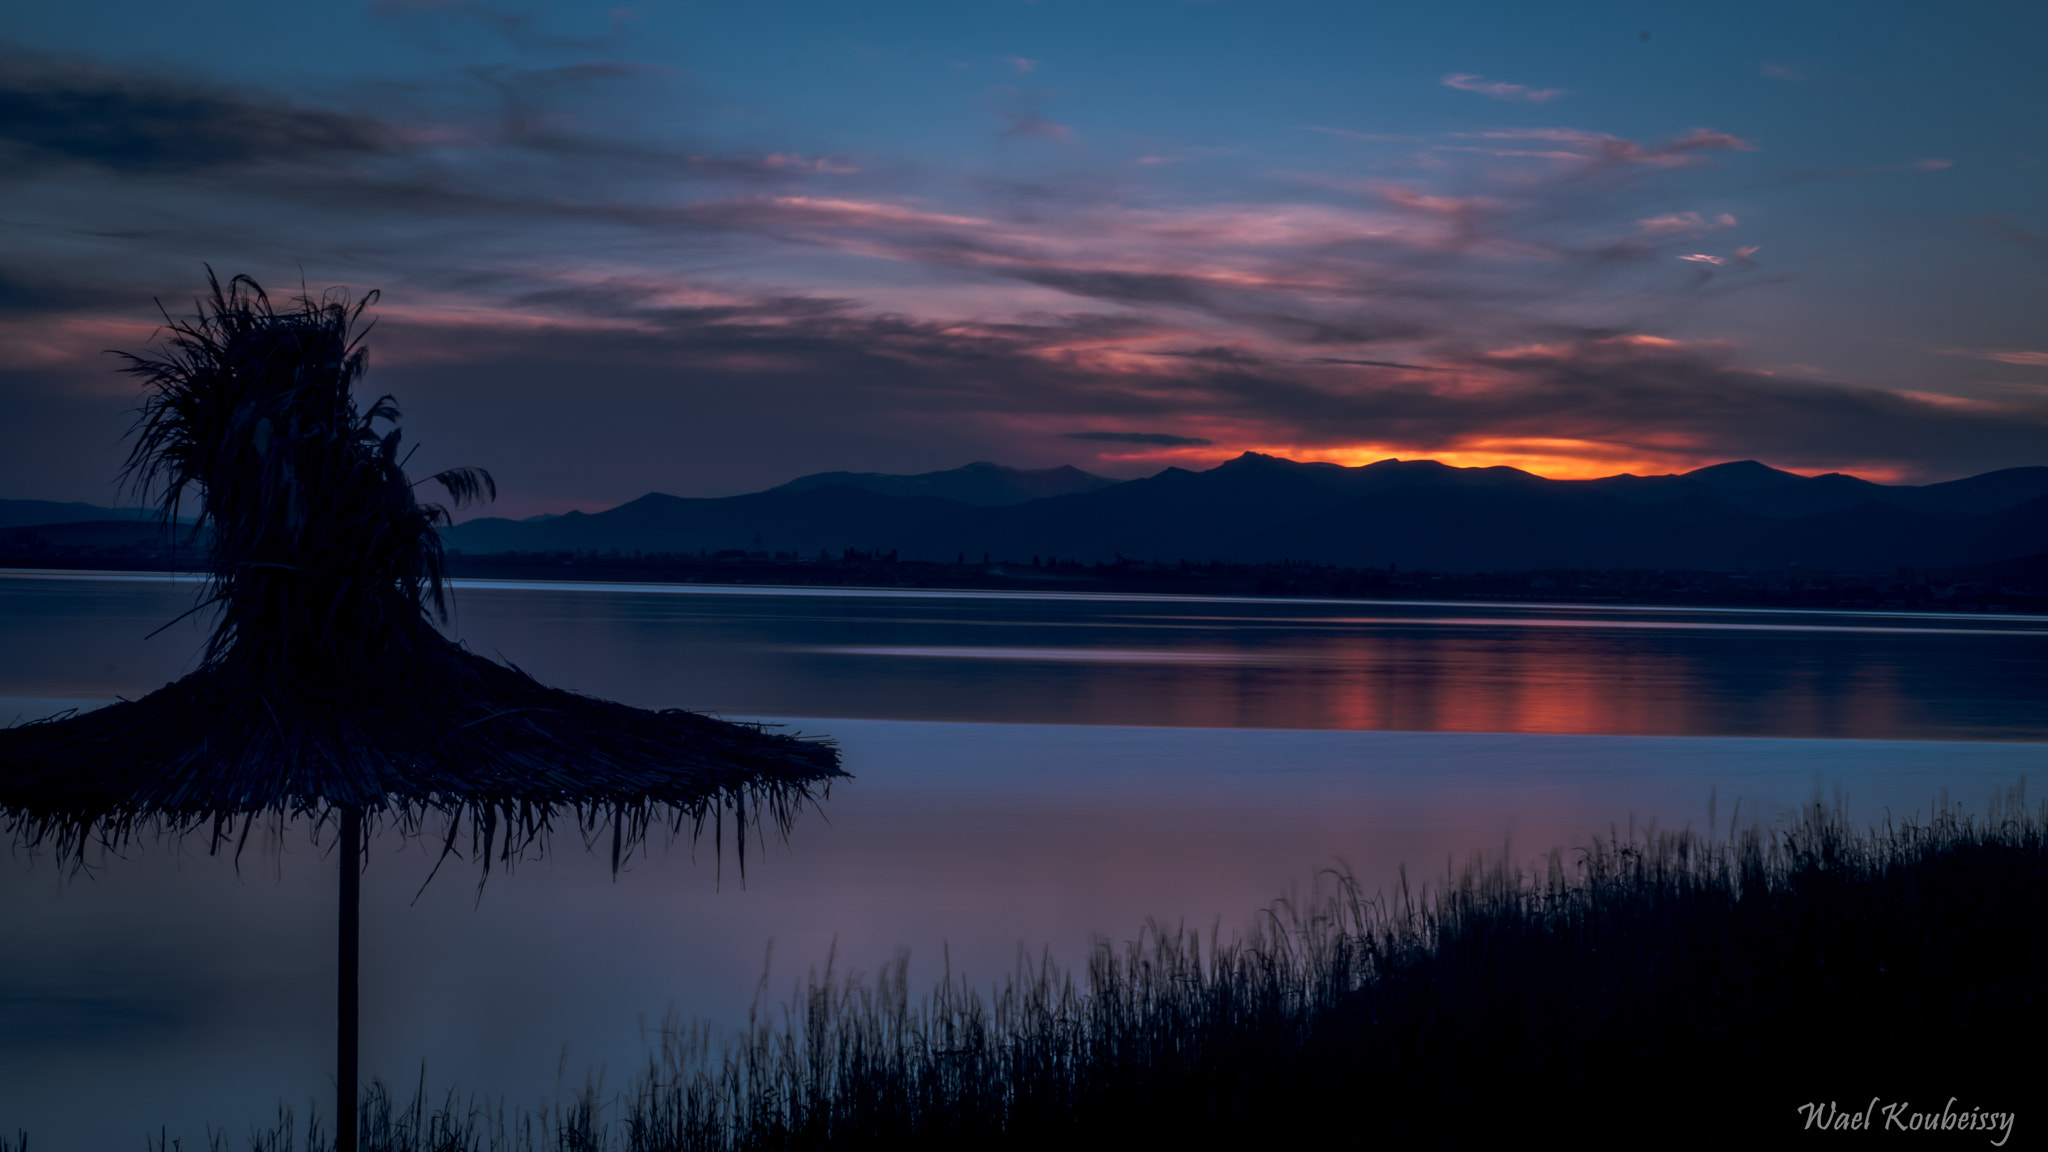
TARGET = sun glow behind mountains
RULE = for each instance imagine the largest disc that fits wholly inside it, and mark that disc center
(1553, 460)
(703, 249)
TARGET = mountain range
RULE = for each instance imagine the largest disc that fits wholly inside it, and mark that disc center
(26, 513)
(1409, 513)
(981, 483)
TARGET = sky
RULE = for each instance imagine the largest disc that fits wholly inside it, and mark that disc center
(703, 248)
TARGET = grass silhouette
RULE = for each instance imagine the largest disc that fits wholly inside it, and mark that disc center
(1673, 986)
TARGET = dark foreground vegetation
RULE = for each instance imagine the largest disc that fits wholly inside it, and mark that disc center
(1661, 987)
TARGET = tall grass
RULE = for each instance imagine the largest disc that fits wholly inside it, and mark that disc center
(1664, 985)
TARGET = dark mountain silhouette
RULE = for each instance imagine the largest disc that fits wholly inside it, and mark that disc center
(1464, 531)
(1410, 513)
(980, 483)
(18, 513)
(836, 517)
(1428, 515)
(146, 534)
(1211, 515)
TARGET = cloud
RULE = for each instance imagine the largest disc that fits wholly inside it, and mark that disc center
(1924, 165)
(741, 309)
(2009, 229)
(1519, 93)
(2022, 358)
(684, 388)
(1697, 396)
(1778, 72)
(1381, 364)
(1676, 152)
(1157, 439)
(1362, 137)
(1020, 65)
(38, 295)
(54, 111)
(773, 164)
(1742, 257)
(1028, 124)
(1600, 151)
(1411, 267)
(538, 150)
(1684, 223)
(1627, 396)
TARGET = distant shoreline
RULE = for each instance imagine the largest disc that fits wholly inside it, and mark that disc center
(2020, 588)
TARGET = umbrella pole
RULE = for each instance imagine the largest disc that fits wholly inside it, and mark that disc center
(346, 1000)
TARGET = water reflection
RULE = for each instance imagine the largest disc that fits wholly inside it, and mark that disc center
(1272, 665)
(1062, 658)
(205, 992)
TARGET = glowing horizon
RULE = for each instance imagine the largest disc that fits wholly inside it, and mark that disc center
(704, 251)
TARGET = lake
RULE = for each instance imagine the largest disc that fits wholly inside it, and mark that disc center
(1030, 772)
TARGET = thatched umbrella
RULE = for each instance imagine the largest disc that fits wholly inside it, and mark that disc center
(325, 690)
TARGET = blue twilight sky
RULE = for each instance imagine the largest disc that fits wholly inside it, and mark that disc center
(703, 248)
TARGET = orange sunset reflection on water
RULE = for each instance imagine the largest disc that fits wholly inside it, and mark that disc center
(1556, 684)
(1185, 662)
(1520, 673)
(1166, 662)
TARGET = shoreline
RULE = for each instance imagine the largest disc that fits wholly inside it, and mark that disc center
(1257, 584)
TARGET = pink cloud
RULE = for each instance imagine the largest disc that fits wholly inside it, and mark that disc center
(2021, 358)
(1678, 151)
(1345, 310)
(1499, 90)
(78, 340)
(828, 210)
(1522, 152)
(778, 161)
(1029, 125)
(1292, 271)
(1362, 137)
(1557, 404)
(1946, 400)
(772, 165)
(1448, 206)
(812, 164)
(1929, 164)
(1743, 257)
(1684, 223)
(1560, 135)
(1604, 149)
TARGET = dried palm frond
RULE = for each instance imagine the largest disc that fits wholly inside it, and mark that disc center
(325, 683)
(319, 550)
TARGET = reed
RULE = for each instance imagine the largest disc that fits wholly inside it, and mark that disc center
(1670, 985)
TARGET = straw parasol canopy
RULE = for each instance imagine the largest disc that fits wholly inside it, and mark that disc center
(325, 690)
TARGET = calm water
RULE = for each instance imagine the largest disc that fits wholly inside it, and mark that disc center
(1152, 661)
(1030, 772)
